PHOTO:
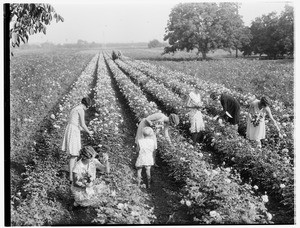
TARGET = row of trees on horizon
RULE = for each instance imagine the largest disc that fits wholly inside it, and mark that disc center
(203, 27)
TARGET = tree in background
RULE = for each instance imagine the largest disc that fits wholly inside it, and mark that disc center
(28, 19)
(205, 27)
(286, 29)
(264, 34)
(235, 33)
(82, 43)
(154, 43)
(273, 35)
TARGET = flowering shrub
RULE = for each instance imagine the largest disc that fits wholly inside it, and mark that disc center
(211, 195)
(187, 167)
(179, 80)
(35, 204)
(126, 203)
(256, 119)
(37, 82)
(221, 138)
(274, 78)
(38, 202)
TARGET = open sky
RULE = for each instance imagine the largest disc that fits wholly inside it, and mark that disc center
(110, 21)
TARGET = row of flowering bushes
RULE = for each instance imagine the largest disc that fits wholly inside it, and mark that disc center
(236, 151)
(207, 85)
(283, 147)
(211, 195)
(177, 81)
(181, 84)
(37, 81)
(40, 200)
(125, 203)
(275, 78)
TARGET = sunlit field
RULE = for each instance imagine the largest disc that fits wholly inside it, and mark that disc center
(274, 78)
(224, 179)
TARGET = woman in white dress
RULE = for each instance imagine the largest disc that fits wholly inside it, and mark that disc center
(195, 116)
(256, 127)
(85, 187)
(72, 138)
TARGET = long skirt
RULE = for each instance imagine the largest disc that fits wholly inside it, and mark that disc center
(72, 140)
(256, 133)
(196, 120)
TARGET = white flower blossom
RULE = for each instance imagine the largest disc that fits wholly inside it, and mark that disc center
(113, 193)
(265, 198)
(269, 216)
(282, 185)
(120, 206)
(207, 172)
(135, 213)
(188, 203)
(213, 214)
(214, 172)
(227, 169)
(228, 180)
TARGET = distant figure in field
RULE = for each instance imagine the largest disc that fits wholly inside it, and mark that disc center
(84, 186)
(72, 138)
(231, 108)
(159, 121)
(256, 127)
(145, 159)
(195, 116)
(116, 55)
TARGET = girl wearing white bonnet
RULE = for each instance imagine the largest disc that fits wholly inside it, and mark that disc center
(146, 149)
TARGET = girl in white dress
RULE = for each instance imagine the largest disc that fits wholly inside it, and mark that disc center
(145, 159)
(161, 122)
(72, 138)
(256, 127)
(197, 124)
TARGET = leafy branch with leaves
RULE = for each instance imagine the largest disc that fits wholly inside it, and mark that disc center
(29, 19)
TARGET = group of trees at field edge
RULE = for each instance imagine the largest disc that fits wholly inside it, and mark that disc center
(209, 26)
(272, 34)
(155, 43)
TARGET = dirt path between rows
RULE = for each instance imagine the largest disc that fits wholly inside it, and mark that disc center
(164, 193)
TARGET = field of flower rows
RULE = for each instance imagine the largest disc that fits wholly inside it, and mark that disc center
(37, 82)
(40, 198)
(234, 191)
(235, 150)
(204, 187)
(274, 78)
(44, 197)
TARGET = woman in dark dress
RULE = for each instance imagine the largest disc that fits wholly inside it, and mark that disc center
(231, 107)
